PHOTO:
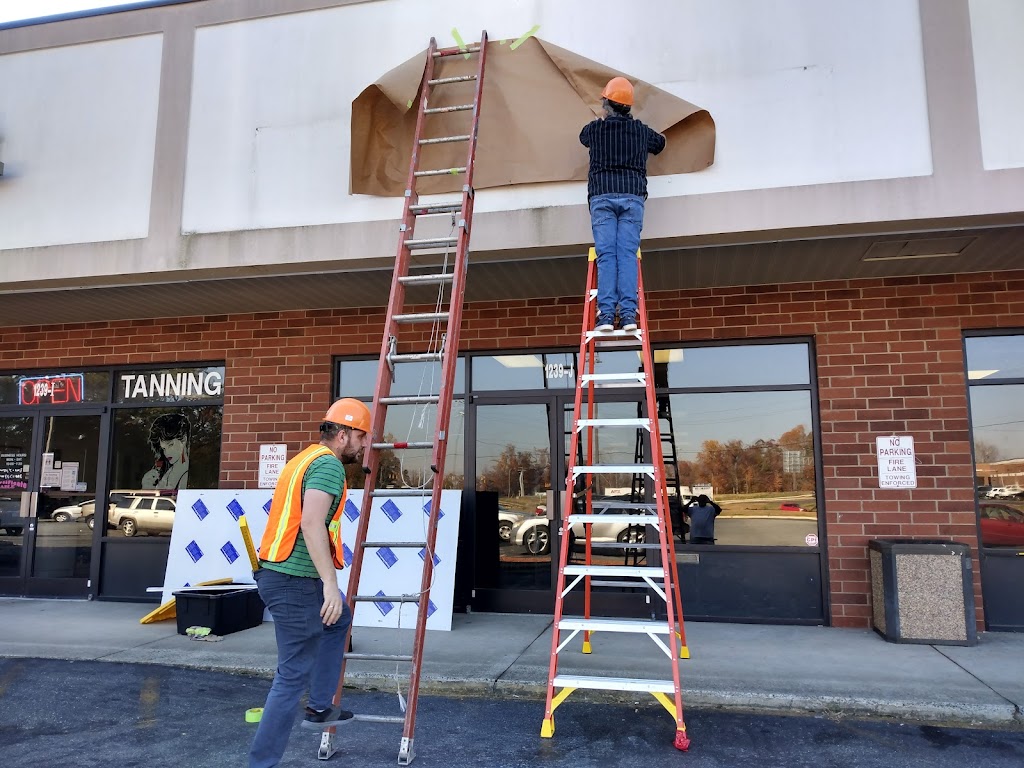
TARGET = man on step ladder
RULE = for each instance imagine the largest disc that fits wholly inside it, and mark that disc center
(616, 190)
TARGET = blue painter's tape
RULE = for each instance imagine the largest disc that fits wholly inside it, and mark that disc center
(386, 607)
(387, 556)
(391, 509)
(423, 556)
(351, 511)
(426, 511)
(229, 552)
(431, 608)
(266, 507)
(200, 509)
(346, 554)
(235, 509)
(194, 551)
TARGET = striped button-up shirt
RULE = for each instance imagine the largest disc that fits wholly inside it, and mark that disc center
(618, 147)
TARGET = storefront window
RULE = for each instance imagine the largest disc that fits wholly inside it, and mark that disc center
(357, 378)
(66, 388)
(544, 370)
(155, 453)
(995, 367)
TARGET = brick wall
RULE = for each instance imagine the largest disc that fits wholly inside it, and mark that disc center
(889, 360)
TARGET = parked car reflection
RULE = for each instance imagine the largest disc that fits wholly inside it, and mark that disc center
(1001, 525)
(140, 513)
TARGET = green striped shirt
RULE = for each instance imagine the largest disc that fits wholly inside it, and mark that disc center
(325, 474)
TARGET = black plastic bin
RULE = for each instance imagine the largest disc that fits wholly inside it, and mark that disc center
(224, 609)
(922, 591)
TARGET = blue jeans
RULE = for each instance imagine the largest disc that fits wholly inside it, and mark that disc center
(617, 221)
(308, 654)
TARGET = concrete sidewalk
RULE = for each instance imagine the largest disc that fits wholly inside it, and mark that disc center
(738, 666)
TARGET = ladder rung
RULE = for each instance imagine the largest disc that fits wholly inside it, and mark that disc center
(419, 445)
(410, 399)
(619, 584)
(430, 209)
(622, 519)
(375, 657)
(436, 279)
(446, 80)
(635, 571)
(621, 469)
(617, 546)
(639, 378)
(421, 317)
(634, 423)
(642, 626)
(420, 357)
(379, 718)
(607, 504)
(614, 343)
(441, 172)
(606, 336)
(431, 242)
(394, 544)
(613, 684)
(380, 493)
(475, 48)
(440, 110)
(445, 139)
(386, 598)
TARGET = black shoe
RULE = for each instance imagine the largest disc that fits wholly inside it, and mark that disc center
(628, 323)
(317, 720)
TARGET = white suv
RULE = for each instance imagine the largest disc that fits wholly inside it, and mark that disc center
(140, 514)
(1006, 492)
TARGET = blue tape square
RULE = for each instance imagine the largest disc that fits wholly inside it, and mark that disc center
(426, 511)
(387, 556)
(391, 509)
(266, 507)
(386, 607)
(229, 552)
(346, 555)
(235, 509)
(194, 551)
(200, 509)
(351, 511)
(431, 608)
(423, 556)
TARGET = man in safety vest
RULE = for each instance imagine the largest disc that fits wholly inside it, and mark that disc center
(299, 557)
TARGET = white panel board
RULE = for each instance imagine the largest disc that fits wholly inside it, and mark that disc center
(206, 543)
(77, 137)
(997, 27)
(803, 91)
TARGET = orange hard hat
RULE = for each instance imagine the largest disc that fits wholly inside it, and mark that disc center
(349, 412)
(619, 90)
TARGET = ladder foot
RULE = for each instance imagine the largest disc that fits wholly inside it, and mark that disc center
(586, 647)
(684, 652)
(547, 728)
(682, 742)
(405, 752)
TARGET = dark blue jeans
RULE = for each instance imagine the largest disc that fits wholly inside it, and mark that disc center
(617, 221)
(308, 655)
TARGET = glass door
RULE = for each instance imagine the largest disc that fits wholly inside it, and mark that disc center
(49, 471)
(15, 497)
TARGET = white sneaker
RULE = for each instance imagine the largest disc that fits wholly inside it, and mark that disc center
(629, 327)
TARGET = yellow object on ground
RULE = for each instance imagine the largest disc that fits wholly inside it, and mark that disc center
(254, 715)
(170, 611)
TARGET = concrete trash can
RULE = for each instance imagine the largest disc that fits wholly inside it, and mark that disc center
(922, 591)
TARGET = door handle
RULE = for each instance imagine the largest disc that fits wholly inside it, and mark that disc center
(29, 507)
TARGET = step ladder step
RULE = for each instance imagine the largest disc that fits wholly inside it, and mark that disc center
(446, 80)
(432, 209)
(395, 493)
(614, 469)
(438, 278)
(614, 684)
(635, 626)
(613, 336)
(418, 357)
(386, 598)
(420, 317)
(441, 110)
(616, 546)
(619, 584)
(394, 544)
(397, 719)
(442, 52)
(418, 445)
(431, 242)
(621, 519)
(441, 172)
(444, 140)
(638, 379)
(375, 657)
(606, 504)
(615, 570)
(410, 399)
(632, 423)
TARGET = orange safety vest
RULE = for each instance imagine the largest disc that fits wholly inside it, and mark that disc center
(286, 511)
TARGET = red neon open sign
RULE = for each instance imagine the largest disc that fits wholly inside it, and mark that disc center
(51, 390)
